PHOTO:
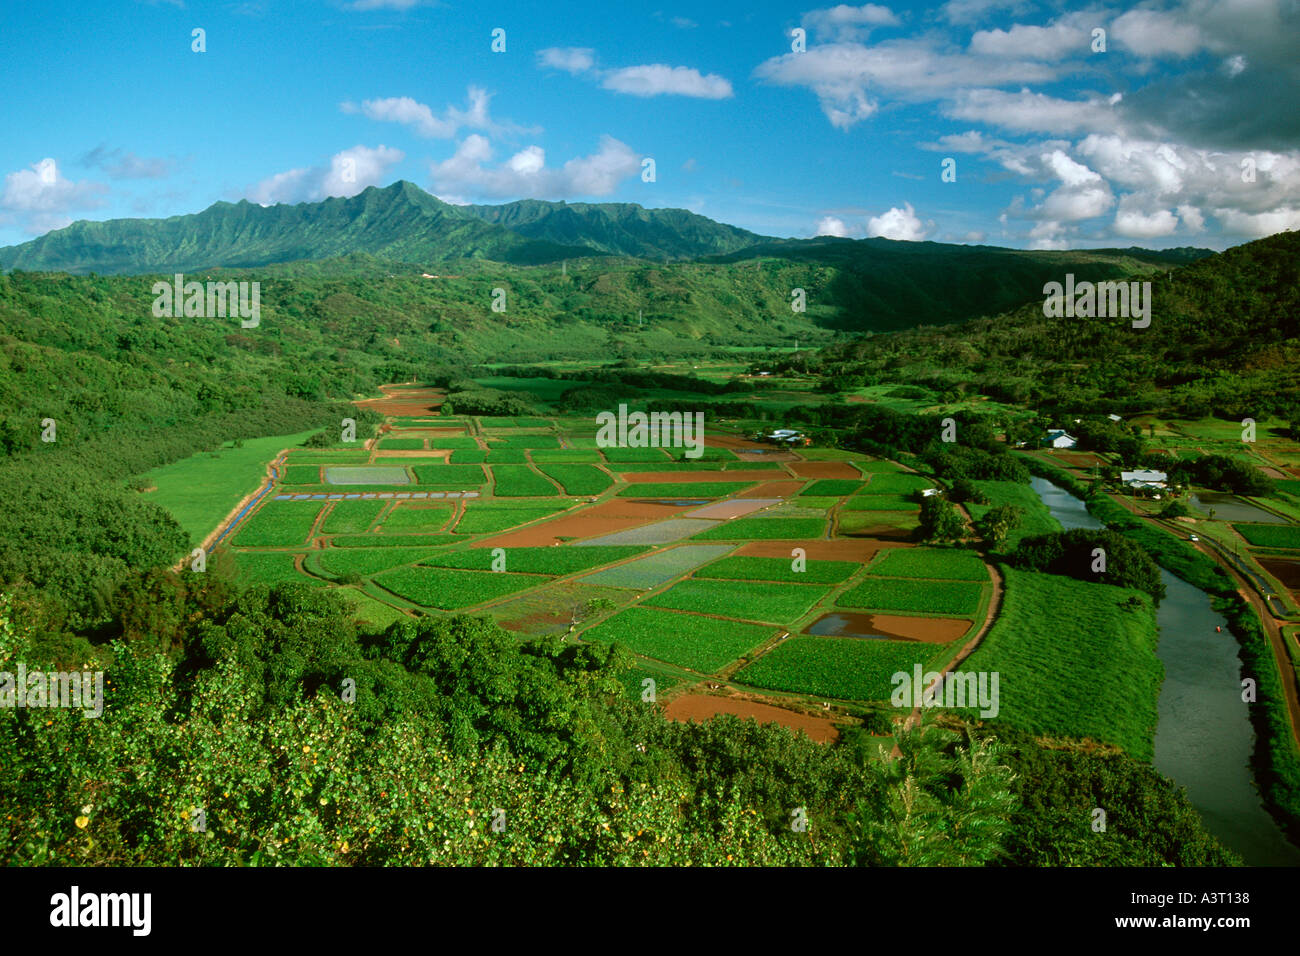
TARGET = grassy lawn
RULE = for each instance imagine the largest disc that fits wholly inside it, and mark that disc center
(1270, 535)
(499, 515)
(520, 481)
(535, 560)
(1072, 661)
(743, 568)
(949, 563)
(407, 518)
(700, 643)
(762, 529)
(275, 524)
(749, 600)
(1034, 518)
(351, 517)
(199, 491)
(449, 589)
(846, 668)
(924, 597)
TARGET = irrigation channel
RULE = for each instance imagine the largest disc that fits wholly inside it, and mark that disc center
(1204, 739)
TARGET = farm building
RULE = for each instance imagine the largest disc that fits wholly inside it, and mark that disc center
(788, 436)
(1144, 479)
(1058, 438)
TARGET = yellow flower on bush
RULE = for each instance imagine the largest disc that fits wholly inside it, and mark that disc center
(82, 822)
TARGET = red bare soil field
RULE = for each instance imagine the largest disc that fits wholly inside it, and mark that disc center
(930, 630)
(405, 402)
(614, 515)
(700, 707)
(772, 489)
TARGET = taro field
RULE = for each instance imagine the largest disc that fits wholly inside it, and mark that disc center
(793, 578)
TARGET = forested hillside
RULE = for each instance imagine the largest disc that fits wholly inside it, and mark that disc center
(1224, 339)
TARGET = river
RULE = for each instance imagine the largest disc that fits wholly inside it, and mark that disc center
(1204, 739)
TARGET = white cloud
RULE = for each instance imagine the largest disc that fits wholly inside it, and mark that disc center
(1157, 33)
(571, 59)
(832, 226)
(650, 79)
(1032, 112)
(525, 174)
(1258, 225)
(656, 79)
(849, 23)
(849, 77)
(348, 172)
(1134, 223)
(421, 119)
(1192, 218)
(40, 198)
(1066, 37)
(897, 224)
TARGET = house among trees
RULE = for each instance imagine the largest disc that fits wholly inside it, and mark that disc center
(1059, 438)
(1144, 479)
(788, 436)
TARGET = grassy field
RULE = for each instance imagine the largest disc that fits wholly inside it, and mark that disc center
(1270, 535)
(845, 668)
(577, 479)
(1074, 661)
(896, 483)
(520, 481)
(268, 568)
(449, 589)
(1034, 517)
(338, 562)
(300, 475)
(278, 524)
(408, 518)
(748, 600)
(764, 529)
(535, 560)
(366, 475)
(948, 563)
(743, 568)
(701, 644)
(199, 491)
(350, 517)
(924, 597)
(486, 517)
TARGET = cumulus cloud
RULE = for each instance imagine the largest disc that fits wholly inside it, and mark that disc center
(469, 172)
(421, 119)
(40, 198)
(897, 224)
(849, 78)
(651, 79)
(656, 79)
(844, 22)
(832, 226)
(572, 59)
(347, 173)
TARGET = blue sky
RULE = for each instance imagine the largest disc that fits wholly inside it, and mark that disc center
(1183, 131)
